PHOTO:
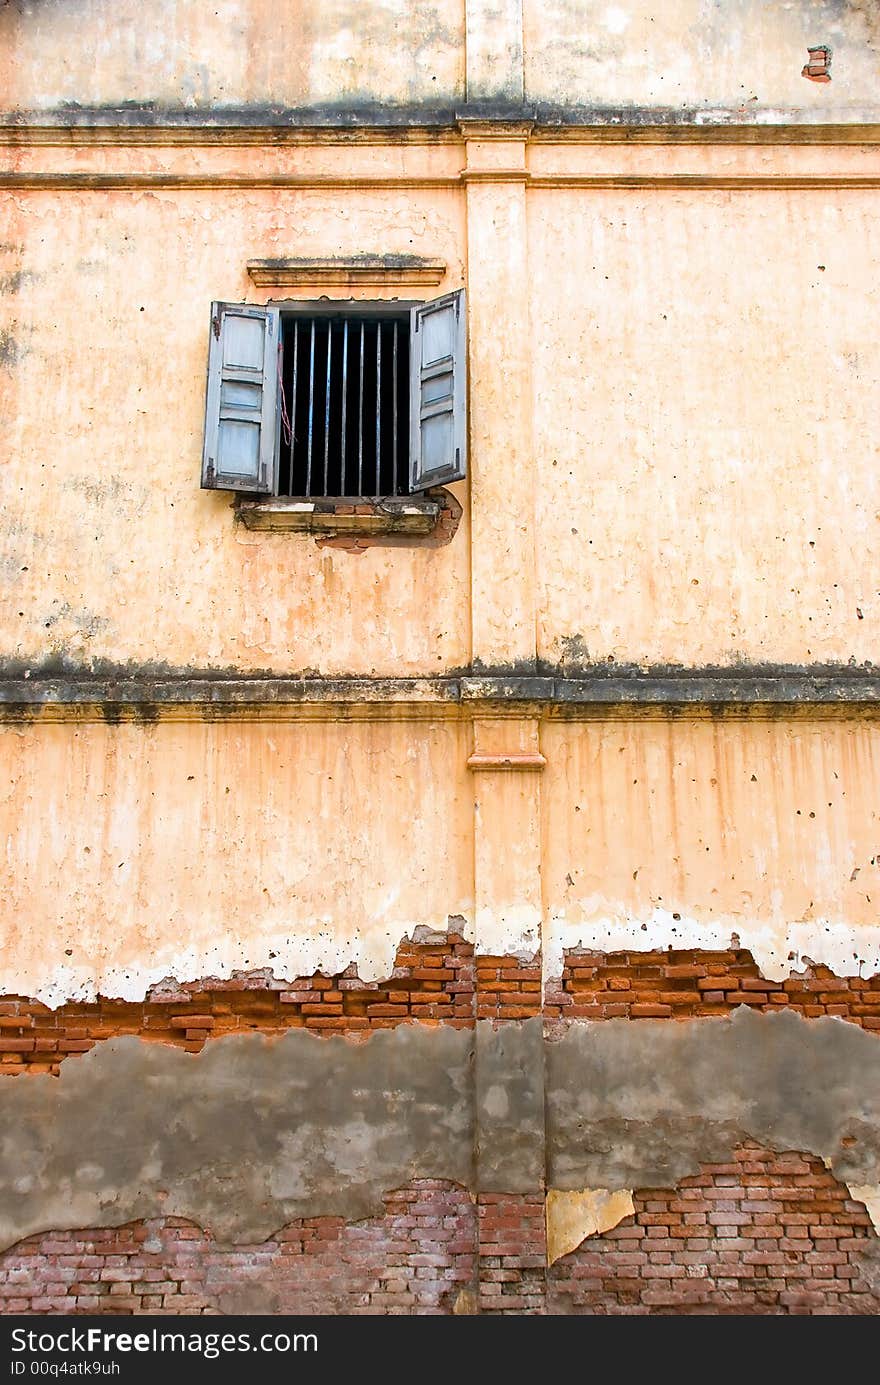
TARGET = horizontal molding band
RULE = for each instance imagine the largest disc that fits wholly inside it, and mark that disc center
(233, 129)
(349, 271)
(224, 696)
(202, 182)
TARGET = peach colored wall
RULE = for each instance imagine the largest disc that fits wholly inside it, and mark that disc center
(705, 379)
(739, 59)
(683, 833)
(133, 853)
(112, 552)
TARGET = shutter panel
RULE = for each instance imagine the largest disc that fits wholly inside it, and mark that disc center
(438, 392)
(240, 417)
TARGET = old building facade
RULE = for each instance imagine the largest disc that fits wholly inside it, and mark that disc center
(440, 895)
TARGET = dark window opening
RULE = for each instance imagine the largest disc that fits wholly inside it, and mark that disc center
(345, 405)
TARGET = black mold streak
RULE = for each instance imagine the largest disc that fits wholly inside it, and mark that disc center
(11, 351)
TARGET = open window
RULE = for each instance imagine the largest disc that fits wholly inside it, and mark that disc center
(336, 400)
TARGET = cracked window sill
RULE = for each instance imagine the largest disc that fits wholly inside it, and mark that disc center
(355, 516)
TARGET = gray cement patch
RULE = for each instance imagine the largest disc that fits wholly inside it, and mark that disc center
(242, 1137)
(642, 1105)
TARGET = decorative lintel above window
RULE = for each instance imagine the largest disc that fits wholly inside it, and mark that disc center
(348, 271)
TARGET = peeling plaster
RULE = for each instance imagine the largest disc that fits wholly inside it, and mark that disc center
(869, 1195)
(779, 950)
(574, 1215)
(320, 947)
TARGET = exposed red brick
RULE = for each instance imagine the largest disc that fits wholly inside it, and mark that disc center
(512, 1255)
(417, 1258)
(767, 1233)
(681, 984)
(430, 982)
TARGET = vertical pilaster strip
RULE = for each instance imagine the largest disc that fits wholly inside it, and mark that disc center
(494, 46)
(510, 1140)
(503, 597)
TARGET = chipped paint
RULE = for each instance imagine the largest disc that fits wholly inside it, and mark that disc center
(199, 850)
(573, 1215)
(780, 951)
(202, 848)
(695, 833)
(252, 1132)
(869, 1195)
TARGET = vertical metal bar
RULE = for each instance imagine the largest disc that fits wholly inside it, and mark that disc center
(293, 402)
(311, 410)
(394, 412)
(361, 419)
(327, 403)
(344, 394)
(378, 403)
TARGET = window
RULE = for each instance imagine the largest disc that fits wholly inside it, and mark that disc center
(351, 399)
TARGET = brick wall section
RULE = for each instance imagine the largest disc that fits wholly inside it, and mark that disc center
(416, 1259)
(507, 988)
(512, 1253)
(682, 984)
(431, 982)
(766, 1233)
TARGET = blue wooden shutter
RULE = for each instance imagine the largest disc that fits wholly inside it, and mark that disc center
(438, 392)
(240, 417)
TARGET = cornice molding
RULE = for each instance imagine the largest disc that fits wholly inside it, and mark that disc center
(456, 130)
(353, 271)
(212, 697)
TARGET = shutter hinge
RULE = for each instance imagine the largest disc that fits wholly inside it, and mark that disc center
(215, 323)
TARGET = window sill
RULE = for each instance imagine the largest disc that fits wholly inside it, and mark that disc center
(347, 516)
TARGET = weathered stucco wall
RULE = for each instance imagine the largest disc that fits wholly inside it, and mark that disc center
(736, 60)
(739, 59)
(683, 833)
(705, 376)
(254, 1132)
(110, 550)
(708, 496)
(138, 852)
(200, 54)
(530, 901)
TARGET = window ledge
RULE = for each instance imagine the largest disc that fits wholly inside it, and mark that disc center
(355, 516)
(347, 271)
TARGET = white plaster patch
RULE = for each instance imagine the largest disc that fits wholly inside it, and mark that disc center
(779, 949)
(512, 931)
(317, 947)
(573, 1216)
(869, 1194)
(615, 19)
